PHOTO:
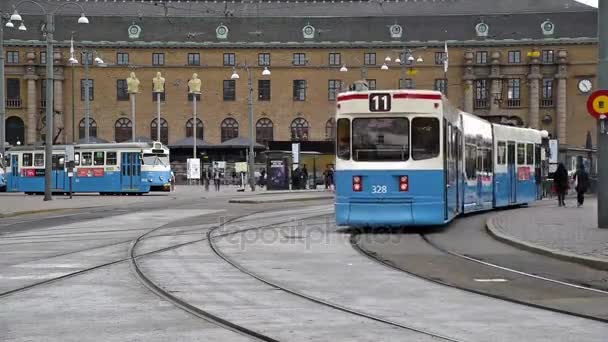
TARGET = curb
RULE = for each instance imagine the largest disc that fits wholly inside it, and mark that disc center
(34, 212)
(596, 263)
(278, 200)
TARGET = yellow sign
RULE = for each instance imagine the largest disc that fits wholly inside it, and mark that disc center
(600, 104)
(412, 72)
(240, 167)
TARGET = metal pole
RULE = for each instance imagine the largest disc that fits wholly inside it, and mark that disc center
(132, 95)
(602, 139)
(48, 149)
(87, 100)
(194, 124)
(2, 82)
(251, 132)
(157, 117)
(73, 106)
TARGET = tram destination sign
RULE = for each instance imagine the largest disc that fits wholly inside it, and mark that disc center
(380, 102)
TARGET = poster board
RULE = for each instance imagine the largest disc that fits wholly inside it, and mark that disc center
(240, 167)
(194, 168)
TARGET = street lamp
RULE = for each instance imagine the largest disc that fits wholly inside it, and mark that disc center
(408, 60)
(8, 24)
(49, 29)
(235, 76)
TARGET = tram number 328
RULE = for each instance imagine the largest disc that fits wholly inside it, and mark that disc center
(379, 189)
(380, 103)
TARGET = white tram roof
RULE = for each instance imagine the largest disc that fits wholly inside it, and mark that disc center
(510, 133)
(402, 101)
(103, 146)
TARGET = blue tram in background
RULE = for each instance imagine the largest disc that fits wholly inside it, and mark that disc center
(117, 168)
(410, 158)
(2, 174)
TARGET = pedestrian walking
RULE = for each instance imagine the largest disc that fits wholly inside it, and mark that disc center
(217, 179)
(560, 183)
(304, 177)
(262, 177)
(581, 177)
(295, 179)
(208, 177)
(172, 181)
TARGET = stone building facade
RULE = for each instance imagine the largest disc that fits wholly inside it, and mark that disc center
(536, 70)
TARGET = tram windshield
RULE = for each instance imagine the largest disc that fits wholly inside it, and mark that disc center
(380, 139)
(156, 159)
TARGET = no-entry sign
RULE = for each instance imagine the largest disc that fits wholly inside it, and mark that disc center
(597, 103)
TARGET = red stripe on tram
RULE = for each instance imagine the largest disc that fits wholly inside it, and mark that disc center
(417, 96)
(352, 97)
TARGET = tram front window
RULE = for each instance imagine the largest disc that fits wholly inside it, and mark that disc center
(156, 159)
(425, 138)
(380, 139)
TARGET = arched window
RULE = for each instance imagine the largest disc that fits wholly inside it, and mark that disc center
(299, 130)
(122, 130)
(230, 129)
(92, 128)
(264, 131)
(199, 128)
(164, 131)
(330, 129)
(15, 130)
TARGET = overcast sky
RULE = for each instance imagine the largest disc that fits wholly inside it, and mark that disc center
(589, 2)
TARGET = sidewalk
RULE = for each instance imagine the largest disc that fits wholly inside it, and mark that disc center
(568, 233)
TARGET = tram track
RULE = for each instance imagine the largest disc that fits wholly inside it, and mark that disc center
(355, 242)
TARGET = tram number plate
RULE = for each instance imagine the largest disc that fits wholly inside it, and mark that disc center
(380, 103)
(379, 189)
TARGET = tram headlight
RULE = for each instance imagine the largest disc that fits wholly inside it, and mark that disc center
(161, 178)
(357, 183)
(404, 183)
(150, 179)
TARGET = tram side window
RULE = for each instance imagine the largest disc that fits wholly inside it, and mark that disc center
(27, 159)
(87, 159)
(521, 154)
(530, 154)
(487, 160)
(7, 160)
(480, 155)
(111, 158)
(343, 139)
(77, 158)
(470, 161)
(425, 138)
(38, 159)
(537, 154)
(98, 158)
(502, 153)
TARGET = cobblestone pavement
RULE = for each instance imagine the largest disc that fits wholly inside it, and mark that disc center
(568, 231)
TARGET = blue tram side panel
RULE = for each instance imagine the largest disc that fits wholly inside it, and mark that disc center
(409, 158)
(103, 168)
(2, 173)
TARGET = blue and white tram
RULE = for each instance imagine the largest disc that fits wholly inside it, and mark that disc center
(102, 168)
(155, 166)
(410, 158)
(2, 174)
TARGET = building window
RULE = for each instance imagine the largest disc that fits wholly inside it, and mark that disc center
(299, 130)
(162, 95)
(406, 83)
(514, 57)
(121, 90)
(194, 58)
(334, 58)
(369, 58)
(481, 57)
(229, 129)
(164, 131)
(229, 59)
(330, 129)
(42, 57)
(547, 93)
(91, 90)
(333, 89)
(371, 84)
(13, 91)
(481, 94)
(229, 90)
(87, 58)
(441, 85)
(158, 58)
(440, 57)
(199, 128)
(299, 90)
(299, 59)
(263, 90)
(12, 57)
(92, 128)
(122, 130)
(263, 59)
(547, 56)
(122, 58)
(264, 131)
(514, 92)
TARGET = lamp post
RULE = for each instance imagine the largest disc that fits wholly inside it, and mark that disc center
(49, 29)
(87, 93)
(8, 24)
(408, 60)
(235, 76)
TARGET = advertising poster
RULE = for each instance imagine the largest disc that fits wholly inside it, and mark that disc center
(194, 168)
(278, 175)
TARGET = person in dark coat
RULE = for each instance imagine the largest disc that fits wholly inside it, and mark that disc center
(560, 182)
(582, 184)
(295, 179)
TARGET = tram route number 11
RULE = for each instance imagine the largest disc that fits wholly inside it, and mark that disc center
(380, 103)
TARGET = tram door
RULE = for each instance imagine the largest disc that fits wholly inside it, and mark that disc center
(58, 172)
(130, 166)
(512, 172)
(14, 179)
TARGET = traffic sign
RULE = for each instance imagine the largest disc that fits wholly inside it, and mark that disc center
(597, 103)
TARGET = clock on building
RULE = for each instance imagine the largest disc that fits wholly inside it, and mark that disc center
(585, 86)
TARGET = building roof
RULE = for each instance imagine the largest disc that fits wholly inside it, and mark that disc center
(269, 31)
